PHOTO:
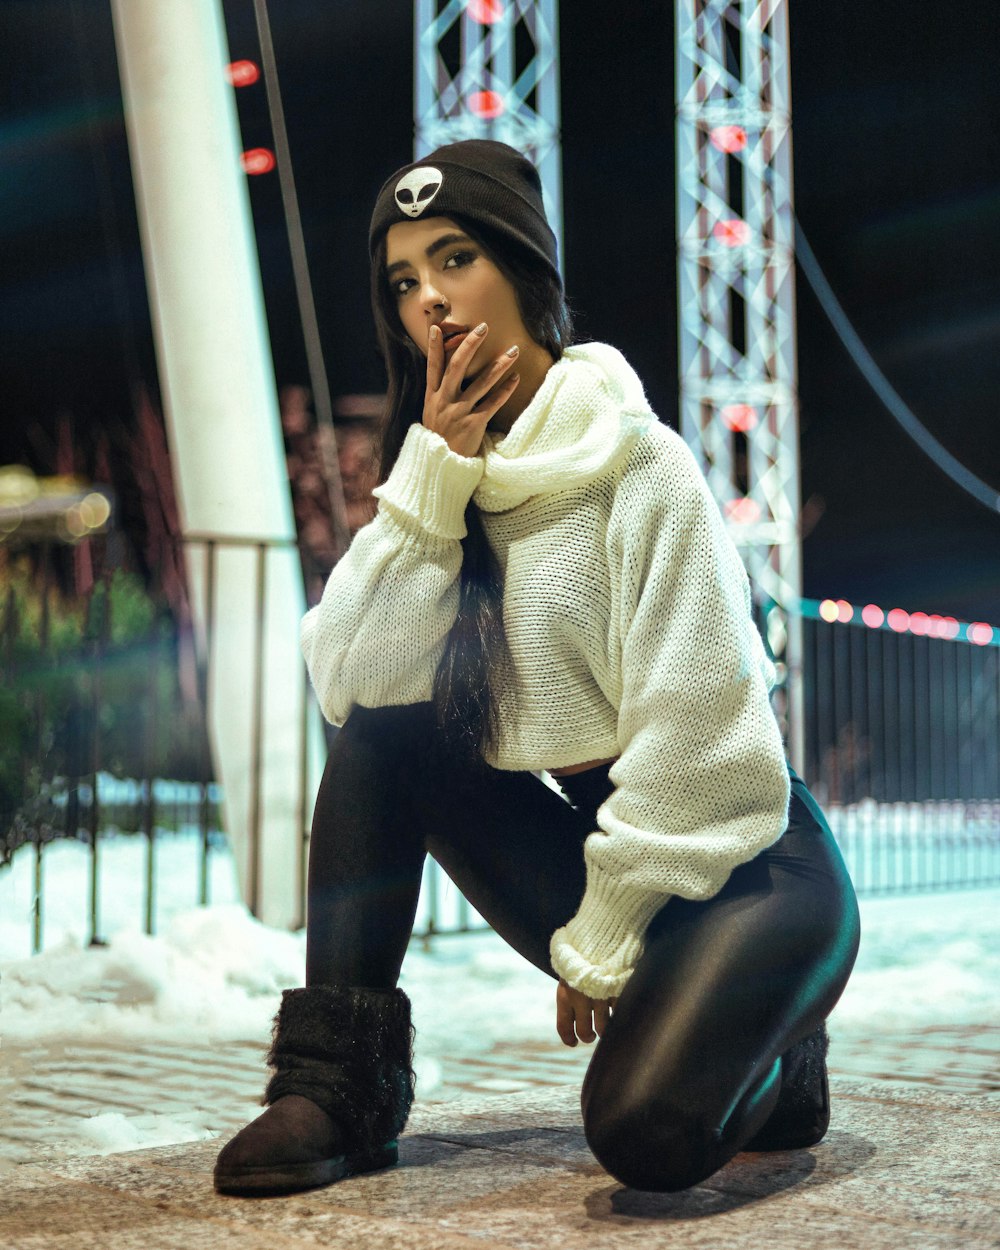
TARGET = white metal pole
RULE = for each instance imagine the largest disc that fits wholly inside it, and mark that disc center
(217, 380)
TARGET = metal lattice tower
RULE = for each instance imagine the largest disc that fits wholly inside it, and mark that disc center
(489, 69)
(736, 300)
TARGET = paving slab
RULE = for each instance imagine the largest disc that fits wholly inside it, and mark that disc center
(901, 1165)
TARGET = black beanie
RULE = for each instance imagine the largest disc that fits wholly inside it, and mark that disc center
(481, 179)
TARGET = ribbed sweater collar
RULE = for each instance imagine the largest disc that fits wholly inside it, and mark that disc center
(586, 415)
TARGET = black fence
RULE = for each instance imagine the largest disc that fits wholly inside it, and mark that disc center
(902, 734)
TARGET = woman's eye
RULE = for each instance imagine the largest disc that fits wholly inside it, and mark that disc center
(399, 287)
(463, 258)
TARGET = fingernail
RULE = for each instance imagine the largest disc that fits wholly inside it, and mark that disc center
(434, 332)
(481, 328)
(512, 351)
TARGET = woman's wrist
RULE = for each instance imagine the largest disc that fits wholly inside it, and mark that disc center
(431, 484)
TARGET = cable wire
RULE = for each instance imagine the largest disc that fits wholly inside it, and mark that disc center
(876, 379)
(303, 284)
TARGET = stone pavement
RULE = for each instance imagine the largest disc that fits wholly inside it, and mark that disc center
(47, 1092)
(902, 1165)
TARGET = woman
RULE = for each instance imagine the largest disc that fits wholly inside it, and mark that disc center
(548, 585)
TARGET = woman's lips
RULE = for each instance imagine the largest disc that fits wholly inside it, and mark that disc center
(453, 342)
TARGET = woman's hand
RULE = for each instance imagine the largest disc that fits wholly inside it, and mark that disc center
(575, 1008)
(460, 417)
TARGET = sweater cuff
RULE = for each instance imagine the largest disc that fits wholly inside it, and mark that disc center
(596, 952)
(432, 484)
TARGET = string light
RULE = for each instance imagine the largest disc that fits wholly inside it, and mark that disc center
(920, 624)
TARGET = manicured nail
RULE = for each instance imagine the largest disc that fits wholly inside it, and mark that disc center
(512, 351)
(434, 332)
(481, 328)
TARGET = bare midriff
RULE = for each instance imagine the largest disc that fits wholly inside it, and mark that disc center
(579, 768)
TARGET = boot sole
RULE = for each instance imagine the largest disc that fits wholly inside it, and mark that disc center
(265, 1182)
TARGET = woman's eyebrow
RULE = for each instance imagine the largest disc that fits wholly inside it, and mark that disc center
(432, 249)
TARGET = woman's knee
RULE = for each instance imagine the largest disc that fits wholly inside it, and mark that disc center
(655, 1148)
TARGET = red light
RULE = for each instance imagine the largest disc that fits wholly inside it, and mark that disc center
(980, 633)
(742, 511)
(486, 12)
(920, 623)
(828, 610)
(486, 104)
(258, 161)
(872, 615)
(949, 627)
(733, 232)
(845, 611)
(741, 417)
(242, 73)
(729, 138)
(899, 620)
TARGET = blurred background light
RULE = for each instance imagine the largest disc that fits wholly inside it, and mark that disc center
(828, 610)
(728, 138)
(486, 12)
(872, 615)
(740, 417)
(242, 73)
(486, 104)
(733, 232)
(898, 620)
(258, 161)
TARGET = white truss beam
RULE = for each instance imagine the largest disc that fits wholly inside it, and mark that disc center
(489, 69)
(736, 299)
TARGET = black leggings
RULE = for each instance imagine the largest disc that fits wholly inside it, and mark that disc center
(689, 1066)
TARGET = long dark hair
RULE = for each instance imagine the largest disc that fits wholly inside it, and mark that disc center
(476, 661)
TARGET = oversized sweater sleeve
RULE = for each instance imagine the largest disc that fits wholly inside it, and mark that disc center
(378, 633)
(701, 784)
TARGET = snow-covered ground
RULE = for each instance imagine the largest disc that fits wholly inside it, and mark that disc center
(216, 974)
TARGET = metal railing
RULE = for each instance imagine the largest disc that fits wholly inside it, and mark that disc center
(902, 736)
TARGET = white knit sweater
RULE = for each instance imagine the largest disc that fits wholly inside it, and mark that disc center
(627, 610)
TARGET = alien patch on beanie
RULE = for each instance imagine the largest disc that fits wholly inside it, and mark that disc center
(416, 190)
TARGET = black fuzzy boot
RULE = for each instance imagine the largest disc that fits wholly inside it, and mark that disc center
(339, 1097)
(802, 1113)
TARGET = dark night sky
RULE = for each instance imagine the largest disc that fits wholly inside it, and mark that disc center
(896, 127)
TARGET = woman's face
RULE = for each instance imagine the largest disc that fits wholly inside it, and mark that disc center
(438, 276)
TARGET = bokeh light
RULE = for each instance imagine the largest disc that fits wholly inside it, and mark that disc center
(742, 511)
(486, 12)
(728, 138)
(898, 620)
(733, 232)
(872, 615)
(242, 73)
(486, 104)
(740, 417)
(828, 610)
(94, 510)
(258, 161)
